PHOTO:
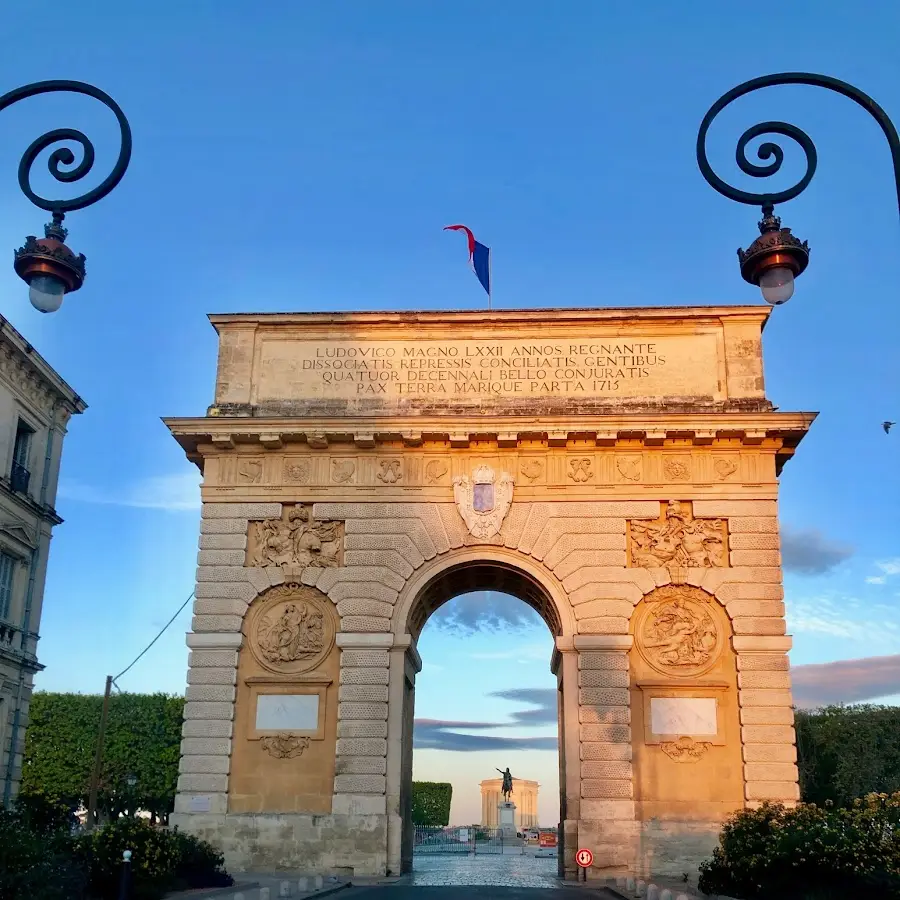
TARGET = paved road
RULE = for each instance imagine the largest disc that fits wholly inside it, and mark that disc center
(508, 870)
(465, 892)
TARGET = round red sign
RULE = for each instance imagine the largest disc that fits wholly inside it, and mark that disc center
(584, 858)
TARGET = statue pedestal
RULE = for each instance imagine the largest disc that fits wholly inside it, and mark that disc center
(506, 818)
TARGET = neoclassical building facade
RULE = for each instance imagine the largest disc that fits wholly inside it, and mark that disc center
(525, 796)
(615, 469)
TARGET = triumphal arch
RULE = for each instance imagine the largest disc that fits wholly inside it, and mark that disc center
(617, 469)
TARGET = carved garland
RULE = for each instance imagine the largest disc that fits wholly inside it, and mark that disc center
(284, 745)
(685, 749)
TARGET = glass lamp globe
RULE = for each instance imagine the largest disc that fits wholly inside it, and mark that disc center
(777, 285)
(46, 293)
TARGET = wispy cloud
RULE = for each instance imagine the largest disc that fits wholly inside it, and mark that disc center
(176, 492)
(437, 734)
(876, 579)
(522, 653)
(485, 611)
(810, 552)
(846, 681)
(542, 701)
(890, 566)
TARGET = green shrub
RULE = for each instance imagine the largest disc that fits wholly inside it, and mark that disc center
(809, 852)
(431, 802)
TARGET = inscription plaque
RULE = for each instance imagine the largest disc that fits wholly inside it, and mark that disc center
(683, 715)
(287, 712)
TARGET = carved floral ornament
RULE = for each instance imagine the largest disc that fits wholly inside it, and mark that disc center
(284, 745)
(295, 539)
(292, 629)
(483, 501)
(677, 632)
(685, 749)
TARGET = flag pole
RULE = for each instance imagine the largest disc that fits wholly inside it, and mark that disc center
(490, 276)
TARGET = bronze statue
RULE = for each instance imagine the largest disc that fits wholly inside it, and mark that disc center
(507, 787)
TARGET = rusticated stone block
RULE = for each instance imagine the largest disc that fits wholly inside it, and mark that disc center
(365, 624)
(204, 765)
(400, 543)
(604, 715)
(363, 711)
(364, 675)
(603, 810)
(453, 525)
(606, 788)
(612, 734)
(603, 660)
(606, 751)
(259, 579)
(361, 747)
(763, 626)
(219, 624)
(765, 698)
(606, 625)
(242, 590)
(241, 511)
(366, 574)
(762, 662)
(586, 545)
(753, 643)
(203, 784)
(580, 559)
(754, 541)
(604, 590)
(604, 608)
(223, 541)
(220, 606)
(367, 658)
(221, 558)
(599, 768)
(741, 575)
(199, 659)
(767, 680)
(767, 734)
(363, 693)
(755, 558)
(769, 753)
(200, 710)
(767, 715)
(388, 559)
(742, 609)
(206, 747)
(770, 772)
(752, 525)
(213, 692)
(218, 806)
(359, 784)
(712, 509)
(360, 765)
(356, 606)
(223, 526)
(225, 675)
(203, 728)
(221, 574)
(729, 591)
(772, 790)
(560, 528)
(603, 697)
(412, 528)
(607, 678)
(362, 728)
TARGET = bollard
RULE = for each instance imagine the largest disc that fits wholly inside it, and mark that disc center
(682, 897)
(317, 882)
(125, 883)
(665, 894)
(652, 892)
(640, 889)
(629, 885)
(263, 894)
(303, 884)
(284, 889)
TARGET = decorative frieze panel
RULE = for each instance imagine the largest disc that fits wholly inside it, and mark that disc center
(295, 539)
(677, 540)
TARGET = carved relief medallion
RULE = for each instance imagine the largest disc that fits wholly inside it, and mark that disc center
(580, 470)
(677, 469)
(296, 539)
(250, 471)
(483, 500)
(284, 746)
(391, 471)
(296, 471)
(532, 469)
(685, 749)
(342, 470)
(629, 467)
(676, 631)
(677, 540)
(436, 470)
(724, 467)
(291, 630)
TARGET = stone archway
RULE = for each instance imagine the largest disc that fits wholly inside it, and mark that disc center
(593, 461)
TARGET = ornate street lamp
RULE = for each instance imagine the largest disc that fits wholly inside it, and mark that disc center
(776, 257)
(47, 265)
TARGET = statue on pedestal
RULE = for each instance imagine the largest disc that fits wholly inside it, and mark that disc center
(507, 787)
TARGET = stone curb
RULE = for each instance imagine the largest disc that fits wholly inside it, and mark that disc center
(236, 888)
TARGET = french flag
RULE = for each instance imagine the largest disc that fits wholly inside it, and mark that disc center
(479, 257)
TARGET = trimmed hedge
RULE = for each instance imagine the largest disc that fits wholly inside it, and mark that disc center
(809, 852)
(431, 802)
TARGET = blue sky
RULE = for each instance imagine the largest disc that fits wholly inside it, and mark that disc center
(337, 138)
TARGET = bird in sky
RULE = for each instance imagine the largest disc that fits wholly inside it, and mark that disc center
(887, 426)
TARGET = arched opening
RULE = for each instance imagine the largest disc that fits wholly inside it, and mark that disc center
(486, 698)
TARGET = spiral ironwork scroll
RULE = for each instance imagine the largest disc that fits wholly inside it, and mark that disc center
(774, 152)
(63, 156)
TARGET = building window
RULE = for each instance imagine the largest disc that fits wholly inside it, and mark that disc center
(20, 474)
(7, 570)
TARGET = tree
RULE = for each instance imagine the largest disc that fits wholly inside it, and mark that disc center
(845, 752)
(143, 736)
(431, 803)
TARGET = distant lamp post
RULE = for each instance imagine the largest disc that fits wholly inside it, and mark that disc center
(47, 265)
(131, 780)
(776, 257)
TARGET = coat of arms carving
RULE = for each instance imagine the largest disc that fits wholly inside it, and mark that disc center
(483, 500)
